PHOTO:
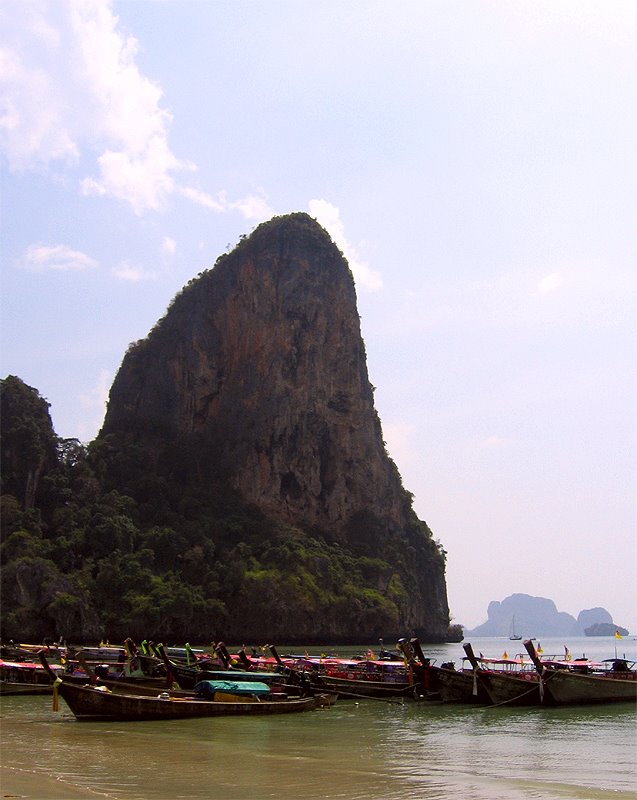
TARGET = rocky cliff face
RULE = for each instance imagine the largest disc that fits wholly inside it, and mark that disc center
(258, 373)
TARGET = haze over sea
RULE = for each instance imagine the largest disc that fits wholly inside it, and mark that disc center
(354, 750)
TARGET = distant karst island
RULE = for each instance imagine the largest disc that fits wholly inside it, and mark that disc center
(527, 616)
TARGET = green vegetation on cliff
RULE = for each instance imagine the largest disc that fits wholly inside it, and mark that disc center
(240, 486)
(94, 544)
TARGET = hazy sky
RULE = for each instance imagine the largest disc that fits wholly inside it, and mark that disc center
(475, 161)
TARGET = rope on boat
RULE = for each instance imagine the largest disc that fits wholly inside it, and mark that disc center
(524, 694)
(512, 699)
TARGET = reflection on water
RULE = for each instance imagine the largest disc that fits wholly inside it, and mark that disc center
(538, 751)
(354, 750)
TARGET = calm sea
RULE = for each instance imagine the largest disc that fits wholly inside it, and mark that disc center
(357, 749)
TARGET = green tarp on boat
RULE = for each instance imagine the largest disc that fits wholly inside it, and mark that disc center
(207, 689)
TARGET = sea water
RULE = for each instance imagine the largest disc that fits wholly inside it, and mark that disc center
(354, 750)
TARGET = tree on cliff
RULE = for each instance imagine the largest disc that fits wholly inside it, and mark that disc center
(240, 487)
(28, 440)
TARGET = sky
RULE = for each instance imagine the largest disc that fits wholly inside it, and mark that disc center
(475, 161)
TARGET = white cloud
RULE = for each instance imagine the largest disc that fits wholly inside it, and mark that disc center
(33, 107)
(71, 88)
(253, 207)
(141, 179)
(132, 273)
(329, 217)
(169, 246)
(59, 257)
(200, 198)
(550, 283)
(138, 164)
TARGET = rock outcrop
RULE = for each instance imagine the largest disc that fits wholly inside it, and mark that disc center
(538, 616)
(257, 376)
(28, 443)
(593, 616)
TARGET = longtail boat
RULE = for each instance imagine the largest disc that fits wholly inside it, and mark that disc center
(459, 685)
(577, 683)
(363, 687)
(505, 680)
(187, 677)
(422, 668)
(81, 671)
(354, 678)
(444, 682)
(25, 677)
(128, 669)
(100, 703)
(11, 651)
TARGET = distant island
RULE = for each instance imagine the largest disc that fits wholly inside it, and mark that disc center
(605, 629)
(527, 616)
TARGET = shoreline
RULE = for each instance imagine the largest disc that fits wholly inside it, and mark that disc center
(19, 783)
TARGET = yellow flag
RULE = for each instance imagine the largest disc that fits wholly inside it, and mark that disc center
(539, 648)
(618, 635)
(505, 654)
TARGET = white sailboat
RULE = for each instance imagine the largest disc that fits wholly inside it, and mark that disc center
(512, 634)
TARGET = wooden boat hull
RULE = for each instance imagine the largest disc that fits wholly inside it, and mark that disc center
(12, 687)
(511, 689)
(507, 681)
(568, 688)
(579, 683)
(23, 677)
(353, 678)
(89, 703)
(150, 687)
(128, 685)
(29, 652)
(352, 688)
(459, 687)
(297, 680)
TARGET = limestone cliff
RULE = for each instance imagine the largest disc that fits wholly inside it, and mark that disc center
(258, 372)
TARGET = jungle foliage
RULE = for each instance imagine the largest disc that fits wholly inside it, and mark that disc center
(95, 545)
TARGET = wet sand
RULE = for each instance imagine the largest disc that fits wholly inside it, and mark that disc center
(19, 783)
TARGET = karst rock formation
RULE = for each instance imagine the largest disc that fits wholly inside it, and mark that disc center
(257, 375)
